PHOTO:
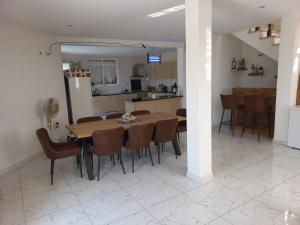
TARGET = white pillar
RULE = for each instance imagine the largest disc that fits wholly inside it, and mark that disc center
(198, 87)
(288, 72)
(181, 74)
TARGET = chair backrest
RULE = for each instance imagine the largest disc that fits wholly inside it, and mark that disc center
(114, 116)
(108, 142)
(89, 119)
(46, 143)
(229, 101)
(181, 112)
(256, 103)
(139, 136)
(140, 112)
(165, 130)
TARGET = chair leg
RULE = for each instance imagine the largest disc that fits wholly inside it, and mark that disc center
(244, 124)
(162, 146)
(150, 154)
(92, 159)
(121, 162)
(52, 170)
(221, 120)
(99, 159)
(158, 153)
(80, 165)
(139, 153)
(233, 123)
(132, 161)
(146, 152)
(113, 159)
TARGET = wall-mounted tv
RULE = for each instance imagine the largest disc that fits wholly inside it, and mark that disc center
(153, 59)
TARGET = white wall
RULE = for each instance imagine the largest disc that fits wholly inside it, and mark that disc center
(288, 72)
(270, 69)
(27, 79)
(125, 64)
(224, 48)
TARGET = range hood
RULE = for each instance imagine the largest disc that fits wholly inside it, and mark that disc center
(138, 71)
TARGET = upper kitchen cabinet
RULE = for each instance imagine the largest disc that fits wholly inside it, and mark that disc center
(167, 70)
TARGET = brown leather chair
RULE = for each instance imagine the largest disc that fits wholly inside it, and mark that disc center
(89, 119)
(258, 106)
(55, 151)
(181, 127)
(140, 112)
(138, 138)
(114, 116)
(164, 131)
(229, 102)
(108, 143)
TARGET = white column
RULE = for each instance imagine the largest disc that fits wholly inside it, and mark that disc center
(288, 72)
(198, 87)
(181, 74)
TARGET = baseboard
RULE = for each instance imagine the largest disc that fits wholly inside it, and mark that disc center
(203, 179)
(280, 142)
(22, 162)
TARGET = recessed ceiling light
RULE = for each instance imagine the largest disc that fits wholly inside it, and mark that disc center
(167, 11)
(69, 25)
(262, 6)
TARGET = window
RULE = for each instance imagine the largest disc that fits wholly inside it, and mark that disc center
(66, 66)
(104, 72)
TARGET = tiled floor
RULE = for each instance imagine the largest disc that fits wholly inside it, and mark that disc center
(253, 184)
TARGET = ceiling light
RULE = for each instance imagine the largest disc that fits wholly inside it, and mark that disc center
(167, 11)
(262, 6)
(69, 25)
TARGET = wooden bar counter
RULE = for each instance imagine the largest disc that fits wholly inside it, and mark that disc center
(270, 95)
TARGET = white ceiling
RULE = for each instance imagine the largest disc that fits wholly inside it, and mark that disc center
(127, 19)
(109, 51)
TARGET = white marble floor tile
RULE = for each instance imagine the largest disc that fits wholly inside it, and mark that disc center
(139, 218)
(111, 208)
(181, 210)
(254, 212)
(284, 197)
(254, 183)
(70, 216)
(48, 202)
(12, 213)
(219, 221)
(217, 198)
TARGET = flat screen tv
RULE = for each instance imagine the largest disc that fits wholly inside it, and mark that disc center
(153, 59)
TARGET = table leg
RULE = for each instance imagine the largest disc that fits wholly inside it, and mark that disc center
(176, 147)
(87, 158)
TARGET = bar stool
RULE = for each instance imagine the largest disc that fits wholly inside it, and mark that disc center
(229, 102)
(138, 138)
(108, 143)
(258, 106)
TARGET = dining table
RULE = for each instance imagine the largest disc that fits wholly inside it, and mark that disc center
(84, 131)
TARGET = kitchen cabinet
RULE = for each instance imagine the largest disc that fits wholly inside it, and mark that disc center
(107, 103)
(168, 105)
(163, 71)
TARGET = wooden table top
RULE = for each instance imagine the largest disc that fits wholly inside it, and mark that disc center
(84, 130)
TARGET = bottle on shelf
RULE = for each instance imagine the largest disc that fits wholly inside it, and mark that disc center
(233, 64)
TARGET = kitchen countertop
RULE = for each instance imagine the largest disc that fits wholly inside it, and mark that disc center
(153, 99)
(132, 92)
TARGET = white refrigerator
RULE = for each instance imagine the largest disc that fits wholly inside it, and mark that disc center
(79, 98)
